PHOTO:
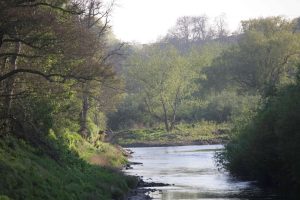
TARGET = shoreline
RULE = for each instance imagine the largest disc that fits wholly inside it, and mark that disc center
(142, 190)
(203, 142)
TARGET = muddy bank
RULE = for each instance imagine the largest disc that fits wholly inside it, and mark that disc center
(139, 194)
(159, 144)
(143, 189)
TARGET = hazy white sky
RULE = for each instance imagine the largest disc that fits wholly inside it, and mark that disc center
(144, 21)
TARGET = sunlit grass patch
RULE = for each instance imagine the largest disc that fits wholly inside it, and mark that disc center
(183, 133)
(28, 173)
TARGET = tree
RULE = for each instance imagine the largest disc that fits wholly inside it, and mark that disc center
(32, 39)
(163, 78)
(221, 31)
(99, 64)
(197, 29)
(59, 46)
(190, 28)
(262, 59)
(264, 145)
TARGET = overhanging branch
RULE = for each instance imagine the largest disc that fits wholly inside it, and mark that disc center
(49, 77)
(51, 6)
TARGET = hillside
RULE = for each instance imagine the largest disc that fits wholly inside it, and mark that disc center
(27, 172)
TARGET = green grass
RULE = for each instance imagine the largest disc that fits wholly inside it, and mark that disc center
(28, 173)
(201, 132)
(100, 153)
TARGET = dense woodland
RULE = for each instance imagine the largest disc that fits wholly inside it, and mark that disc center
(57, 66)
(57, 81)
(65, 79)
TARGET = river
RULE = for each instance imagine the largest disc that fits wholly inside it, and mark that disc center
(192, 172)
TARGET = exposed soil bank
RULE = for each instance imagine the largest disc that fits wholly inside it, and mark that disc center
(143, 189)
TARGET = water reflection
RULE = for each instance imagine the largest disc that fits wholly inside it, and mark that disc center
(193, 172)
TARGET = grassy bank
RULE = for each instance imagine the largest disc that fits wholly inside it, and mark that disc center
(28, 172)
(184, 134)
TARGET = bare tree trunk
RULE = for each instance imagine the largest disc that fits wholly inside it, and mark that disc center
(10, 82)
(173, 121)
(174, 107)
(1, 38)
(85, 97)
(83, 115)
(165, 114)
(174, 116)
(9, 87)
(2, 71)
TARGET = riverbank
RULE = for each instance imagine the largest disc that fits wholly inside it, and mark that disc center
(143, 189)
(183, 143)
(64, 168)
(202, 133)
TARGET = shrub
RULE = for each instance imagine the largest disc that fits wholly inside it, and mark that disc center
(266, 147)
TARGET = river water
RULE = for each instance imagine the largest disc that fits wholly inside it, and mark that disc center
(192, 172)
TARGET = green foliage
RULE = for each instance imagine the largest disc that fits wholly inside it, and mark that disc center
(106, 154)
(56, 77)
(26, 173)
(198, 133)
(4, 197)
(42, 86)
(65, 115)
(37, 110)
(163, 78)
(218, 107)
(151, 65)
(265, 147)
(262, 60)
(131, 114)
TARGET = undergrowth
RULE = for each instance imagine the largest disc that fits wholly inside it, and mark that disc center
(201, 132)
(27, 172)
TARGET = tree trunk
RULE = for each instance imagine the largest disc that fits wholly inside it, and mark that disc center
(10, 82)
(165, 115)
(166, 123)
(9, 87)
(1, 38)
(173, 121)
(83, 115)
(175, 109)
(84, 131)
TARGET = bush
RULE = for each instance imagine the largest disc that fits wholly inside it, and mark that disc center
(266, 148)
(130, 114)
(219, 107)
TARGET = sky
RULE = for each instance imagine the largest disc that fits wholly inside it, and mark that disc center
(144, 21)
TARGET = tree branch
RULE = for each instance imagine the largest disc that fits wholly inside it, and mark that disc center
(18, 54)
(49, 77)
(22, 41)
(51, 6)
